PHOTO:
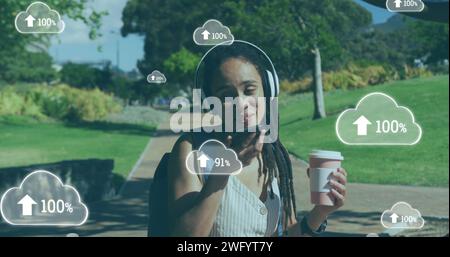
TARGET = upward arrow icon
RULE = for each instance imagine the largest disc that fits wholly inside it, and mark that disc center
(394, 218)
(361, 124)
(205, 34)
(27, 205)
(30, 21)
(203, 160)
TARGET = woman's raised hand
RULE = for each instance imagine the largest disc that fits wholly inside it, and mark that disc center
(248, 148)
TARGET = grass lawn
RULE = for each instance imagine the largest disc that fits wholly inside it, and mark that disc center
(424, 164)
(25, 142)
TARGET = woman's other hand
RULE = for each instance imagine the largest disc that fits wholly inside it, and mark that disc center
(338, 184)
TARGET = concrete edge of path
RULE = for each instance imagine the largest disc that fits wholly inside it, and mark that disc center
(138, 163)
(135, 167)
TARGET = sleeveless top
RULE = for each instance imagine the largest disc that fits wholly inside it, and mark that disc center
(242, 214)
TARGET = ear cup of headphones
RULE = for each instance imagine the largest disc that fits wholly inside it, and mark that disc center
(277, 83)
(270, 84)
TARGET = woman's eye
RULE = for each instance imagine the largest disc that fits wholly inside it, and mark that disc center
(250, 91)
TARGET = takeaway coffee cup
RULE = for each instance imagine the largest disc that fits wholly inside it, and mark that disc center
(321, 166)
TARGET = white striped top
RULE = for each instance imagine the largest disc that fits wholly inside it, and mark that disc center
(243, 214)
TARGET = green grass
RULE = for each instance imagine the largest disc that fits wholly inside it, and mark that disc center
(424, 164)
(24, 141)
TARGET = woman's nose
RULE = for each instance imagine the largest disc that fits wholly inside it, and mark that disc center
(245, 101)
(242, 101)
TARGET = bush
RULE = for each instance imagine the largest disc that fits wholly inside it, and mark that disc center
(411, 73)
(12, 103)
(296, 86)
(354, 76)
(373, 74)
(342, 79)
(92, 105)
(59, 102)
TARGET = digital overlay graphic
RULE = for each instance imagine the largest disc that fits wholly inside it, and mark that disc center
(213, 158)
(212, 33)
(39, 18)
(377, 119)
(43, 200)
(402, 215)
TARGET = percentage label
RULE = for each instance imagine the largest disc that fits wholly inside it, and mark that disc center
(217, 35)
(46, 22)
(408, 219)
(221, 162)
(393, 126)
(409, 3)
(58, 206)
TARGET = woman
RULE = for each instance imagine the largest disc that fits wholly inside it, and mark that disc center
(260, 200)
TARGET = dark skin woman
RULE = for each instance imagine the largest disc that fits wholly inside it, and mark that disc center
(194, 203)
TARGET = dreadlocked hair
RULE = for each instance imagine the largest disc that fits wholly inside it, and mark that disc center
(276, 163)
(275, 158)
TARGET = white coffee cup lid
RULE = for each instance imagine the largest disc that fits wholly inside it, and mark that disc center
(326, 155)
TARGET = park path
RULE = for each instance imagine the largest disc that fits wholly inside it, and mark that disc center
(127, 214)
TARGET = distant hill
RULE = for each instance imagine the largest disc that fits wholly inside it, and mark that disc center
(394, 23)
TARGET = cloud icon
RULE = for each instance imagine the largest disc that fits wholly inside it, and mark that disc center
(377, 119)
(39, 18)
(43, 200)
(213, 158)
(156, 77)
(405, 5)
(212, 33)
(402, 215)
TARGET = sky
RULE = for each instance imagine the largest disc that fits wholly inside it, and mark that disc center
(74, 44)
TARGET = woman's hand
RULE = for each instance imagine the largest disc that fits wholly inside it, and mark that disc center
(337, 182)
(248, 148)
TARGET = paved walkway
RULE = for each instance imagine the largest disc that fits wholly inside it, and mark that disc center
(127, 214)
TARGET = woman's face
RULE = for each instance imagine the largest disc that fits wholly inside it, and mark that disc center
(237, 77)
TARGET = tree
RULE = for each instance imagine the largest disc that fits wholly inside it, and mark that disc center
(180, 67)
(387, 48)
(79, 75)
(339, 22)
(26, 67)
(431, 38)
(168, 31)
(272, 25)
(300, 33)
(14, 46)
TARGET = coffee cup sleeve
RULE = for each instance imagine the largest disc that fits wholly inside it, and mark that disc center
(319, 179)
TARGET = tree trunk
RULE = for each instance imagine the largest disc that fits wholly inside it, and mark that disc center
(319, 104)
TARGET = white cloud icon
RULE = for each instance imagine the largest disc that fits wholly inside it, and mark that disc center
(377, 119)
(402, 215)
(212, 33)
(156, 77)
(39, 18)
(43, 200)
(405, 5)
(213, 158)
